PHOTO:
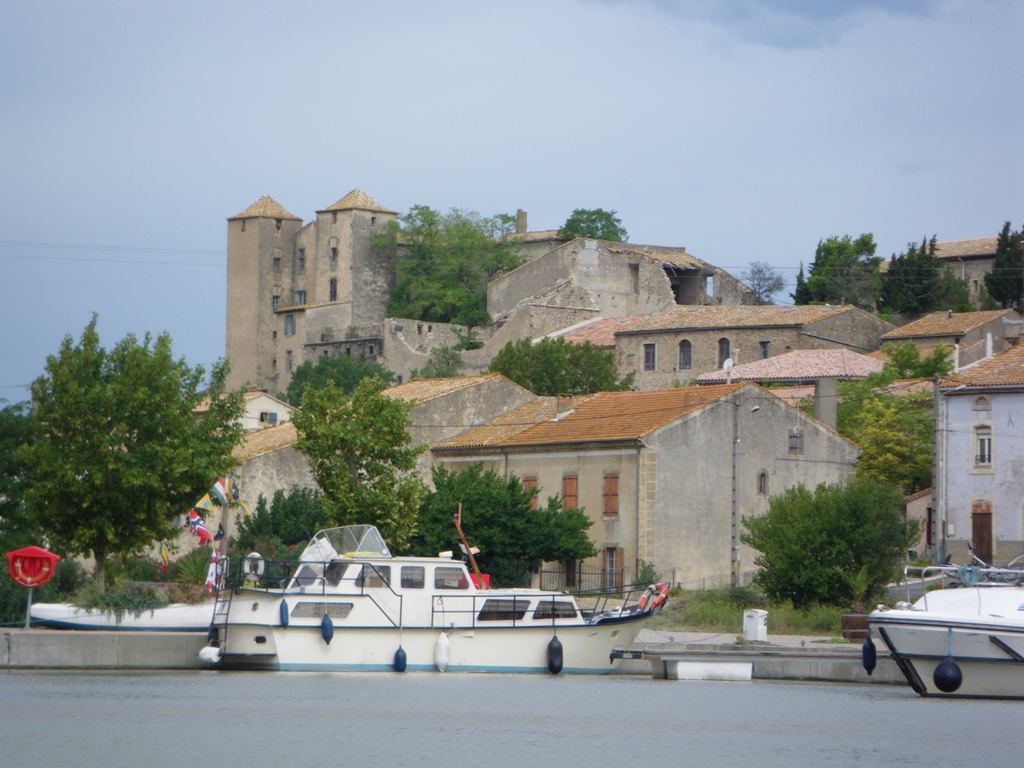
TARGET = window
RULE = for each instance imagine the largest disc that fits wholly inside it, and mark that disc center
(333, 290)
(277, 263)
(796, 441)
(335, 572)
(289, 325)
(374, 576)
(762, 483)
(450, 577)
(611, 494)
(317, 610)
(530, 484)
(612, 566)
(650, 359)
(300, 298)
(503, 609)
(685, 355)
(982, 403)
(413, 577)
(547, 610)
(277, 225)
(334, 254)
(275, 303)
(983, 446)
(763, 348)
(724, 351)
(288, 360)
(302, 260)
(569, 491)
(268, 417)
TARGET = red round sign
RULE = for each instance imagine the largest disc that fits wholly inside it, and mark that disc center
(31, 566)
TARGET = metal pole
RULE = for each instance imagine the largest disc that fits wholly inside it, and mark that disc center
(734, 542)
(28, 609)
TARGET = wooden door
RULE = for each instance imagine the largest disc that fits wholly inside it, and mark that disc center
(981, 529)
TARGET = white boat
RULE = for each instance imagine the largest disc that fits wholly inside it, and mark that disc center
(177, 617)
(349, 605)
(960, 642)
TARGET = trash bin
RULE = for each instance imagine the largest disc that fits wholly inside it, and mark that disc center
(755, 626)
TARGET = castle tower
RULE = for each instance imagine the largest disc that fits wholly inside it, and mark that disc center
(261, 254)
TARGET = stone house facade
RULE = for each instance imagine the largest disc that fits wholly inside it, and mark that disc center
(678, 345)
(656, 470)
(971, 336)
(979, 460)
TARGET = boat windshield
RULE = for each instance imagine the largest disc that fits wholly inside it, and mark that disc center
(347, 541)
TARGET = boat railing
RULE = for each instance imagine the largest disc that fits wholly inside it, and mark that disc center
(951, 576)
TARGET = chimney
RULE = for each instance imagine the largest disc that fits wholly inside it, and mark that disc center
(563, 404)
(825, 401)
(949, 314)
(520, 222)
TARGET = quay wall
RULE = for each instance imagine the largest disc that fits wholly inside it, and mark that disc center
(70, 649)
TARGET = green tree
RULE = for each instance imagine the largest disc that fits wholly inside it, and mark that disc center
(17, 431)
(360, 454)
(801, 294)
(764, 281)
(121, 447)
(345, 372)
(845, 270)
(812, 546)
(918, 282)
(442, 263)
(597, 223)
(444, 362)
(905, 362)
(291, 518)
(558, 367)
(895, 436)
(1005, 282)
(497, 517)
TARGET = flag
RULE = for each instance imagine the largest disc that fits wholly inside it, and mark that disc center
(198, 527)
(205, 503)
(164, 556)
(221, 489)
(245, 508)
(220, 532)
(211, 573)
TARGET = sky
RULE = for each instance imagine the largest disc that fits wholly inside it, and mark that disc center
(743, 131)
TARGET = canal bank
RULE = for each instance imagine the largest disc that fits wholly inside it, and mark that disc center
(657, 654)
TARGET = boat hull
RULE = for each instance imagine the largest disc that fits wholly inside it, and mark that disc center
(981, 629)
(177, 617)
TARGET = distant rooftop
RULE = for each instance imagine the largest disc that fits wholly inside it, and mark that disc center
(946, 324)
(801, 365)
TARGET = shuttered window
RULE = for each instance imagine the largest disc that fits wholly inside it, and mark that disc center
(611, 494)
(569, 492)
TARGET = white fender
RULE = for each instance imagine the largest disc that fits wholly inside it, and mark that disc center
(442, 652)
(209, 655)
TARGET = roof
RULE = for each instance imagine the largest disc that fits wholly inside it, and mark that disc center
(921, 389)
(425, 389)
(979, 247)
(360, 201)
(1002, 370)
(601, 332)
(697, 317)
(677, 257)
(946, 324)
(506, 426)
(265, 208)
(266, 440)
(801, 364)
(603, 417)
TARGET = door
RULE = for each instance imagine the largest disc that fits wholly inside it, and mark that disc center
(981, 529)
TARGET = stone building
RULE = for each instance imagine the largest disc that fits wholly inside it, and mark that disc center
(665, 475)
(969, 260)
(970, 336)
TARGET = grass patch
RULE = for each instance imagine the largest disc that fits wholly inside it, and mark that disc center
(721, 610)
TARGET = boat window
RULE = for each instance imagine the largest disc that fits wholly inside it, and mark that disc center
(374, 576)
(558, 609)
(335, 572)
(448, 577)
(313, 610)
(503, 609)
(413, 577)
(306, 576)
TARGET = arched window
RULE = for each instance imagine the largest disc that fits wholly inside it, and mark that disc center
(724, 351)
(982, 403)
(762, 483)
(685, 355)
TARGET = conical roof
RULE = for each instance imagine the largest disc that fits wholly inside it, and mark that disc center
(265, 208)
(359, 201)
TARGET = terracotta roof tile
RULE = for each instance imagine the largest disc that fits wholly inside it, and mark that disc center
(425, 389)
(511, 423)
(979, 246)
(802, 364)
(598, 332)
(664, 254)
(1003, 370)
(945, 324)
(265, 208)
(357, 200)
(266, 440)
(691, 317)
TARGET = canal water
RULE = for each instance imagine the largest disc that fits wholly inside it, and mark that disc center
(311, 719)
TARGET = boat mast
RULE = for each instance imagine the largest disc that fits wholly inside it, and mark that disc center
(465, 544)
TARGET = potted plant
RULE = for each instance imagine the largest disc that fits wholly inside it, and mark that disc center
(855, 623)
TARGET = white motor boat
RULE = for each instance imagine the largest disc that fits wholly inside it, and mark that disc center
(349, 605)
(176, 617)
(960, 642)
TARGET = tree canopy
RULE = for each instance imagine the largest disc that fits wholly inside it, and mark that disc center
(291, 518)
(360, 454)
(442, 263)
(443, 362)
(497, 517)
(845, 270)
(812, 545)
(918, 282)
(1005, 281)
(17, 431)
(345, 372)
(121, 448)
(557, 367)
(597, 223)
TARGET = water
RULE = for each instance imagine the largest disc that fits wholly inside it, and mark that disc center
(311, 719)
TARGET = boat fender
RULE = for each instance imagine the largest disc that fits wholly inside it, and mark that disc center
(661, 592)
(948, 676)
(644, 598)
(400, 659)
(327, 629)
(254, 566)
(868, 654)
(442, 652)
(555, 655)
(209, 655)
(284, 613)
